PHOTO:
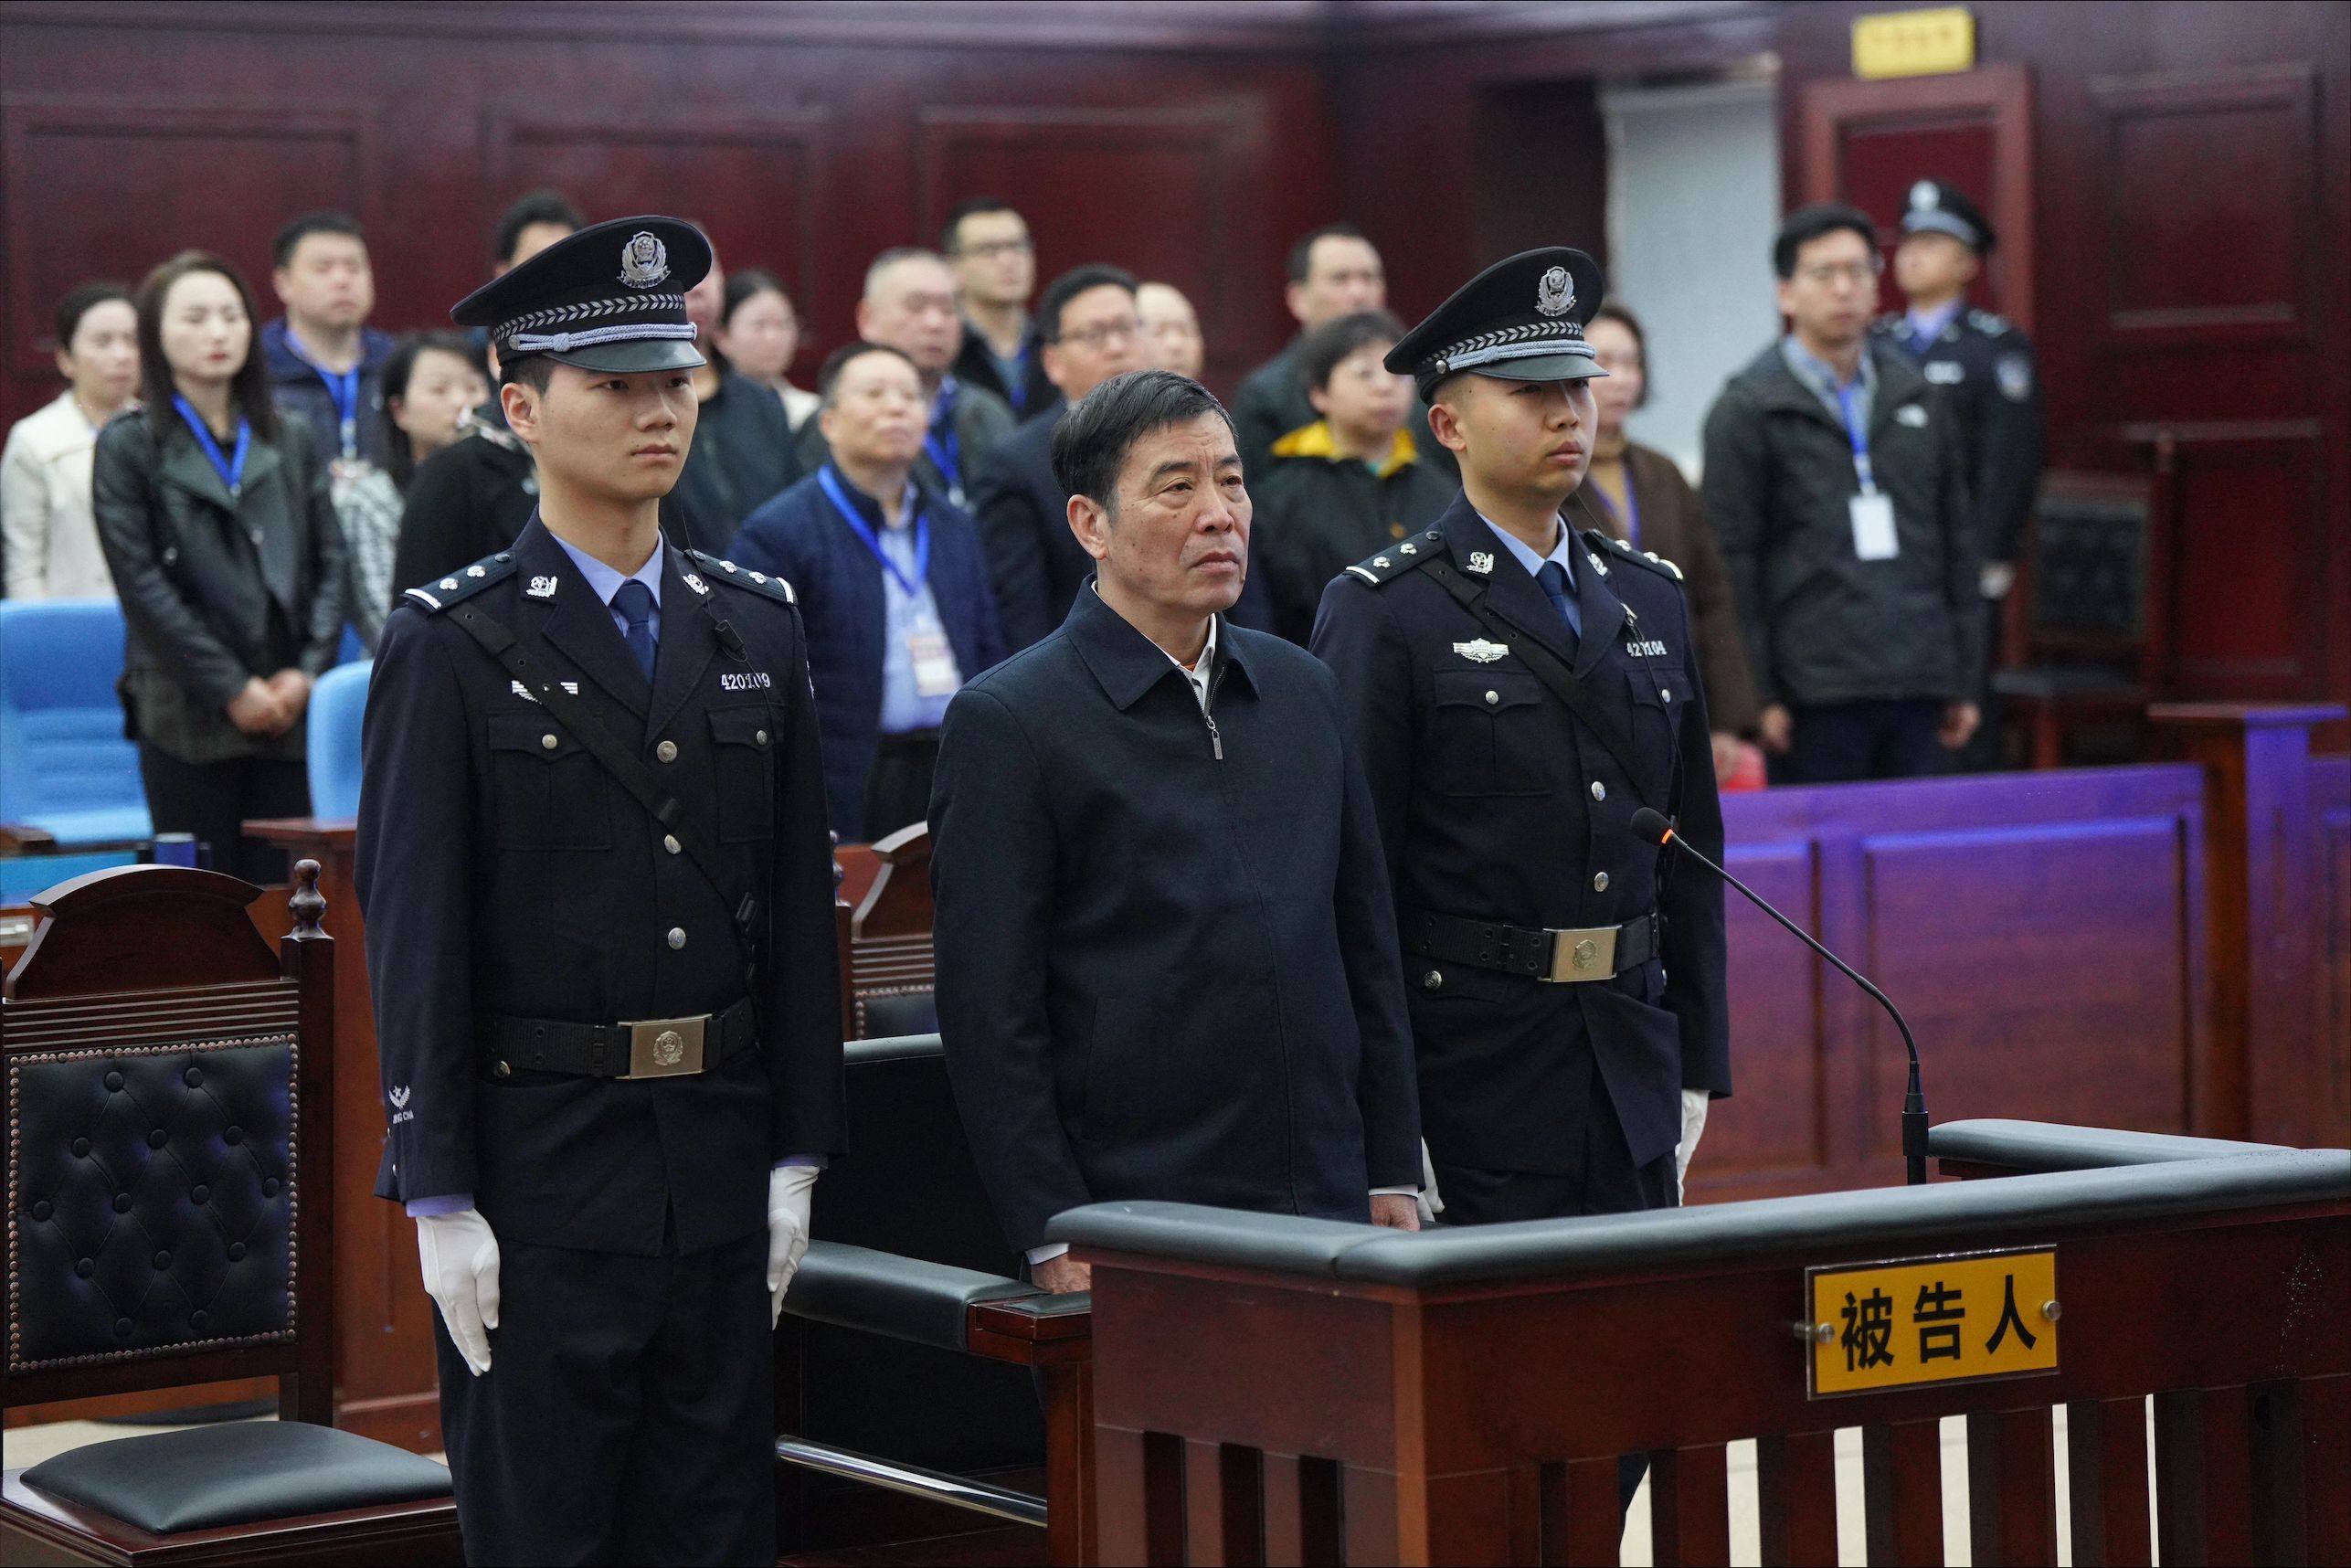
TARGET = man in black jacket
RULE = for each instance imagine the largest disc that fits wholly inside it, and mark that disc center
(1835, 483)
(1166, 956)
(1090, 333)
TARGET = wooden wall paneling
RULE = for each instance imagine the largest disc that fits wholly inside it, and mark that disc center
(1776, 1125)
(110, 185)
(699, 167)
(1144, 187)
(1868, 142)
(2193, 154)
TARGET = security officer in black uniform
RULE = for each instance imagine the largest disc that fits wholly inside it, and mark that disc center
(1517, 690)
(598, 893)
(1990, 382)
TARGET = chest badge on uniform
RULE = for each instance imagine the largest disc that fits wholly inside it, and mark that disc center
(541, 587)
(1478, 651)
(1647, 648)
(1481, 562)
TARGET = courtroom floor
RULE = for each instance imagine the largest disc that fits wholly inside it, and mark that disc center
(1016, 1546)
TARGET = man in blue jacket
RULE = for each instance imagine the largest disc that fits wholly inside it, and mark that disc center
(891, 585)
(1167, 950)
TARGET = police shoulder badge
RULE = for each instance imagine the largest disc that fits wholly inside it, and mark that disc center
(1555, 294)
(645, 260)
(1478, 651)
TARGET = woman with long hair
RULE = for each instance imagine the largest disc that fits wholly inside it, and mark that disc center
(431, 382)
(218, 525)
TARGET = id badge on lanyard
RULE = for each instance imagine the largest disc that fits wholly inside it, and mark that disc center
(1872, 510)
(935, 675)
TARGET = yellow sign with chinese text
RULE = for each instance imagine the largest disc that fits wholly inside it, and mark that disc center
(1894, 1325)
(1913, 43)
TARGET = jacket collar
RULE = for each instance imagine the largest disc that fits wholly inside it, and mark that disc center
(1777, 389)
(1315, 440)
(184, 464)
(1515, 596)
(287, 364)
(572, 618)
(1129, 663)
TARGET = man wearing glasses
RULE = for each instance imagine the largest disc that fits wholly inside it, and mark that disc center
(1088, 331)
(995, 262)
(1835, 483)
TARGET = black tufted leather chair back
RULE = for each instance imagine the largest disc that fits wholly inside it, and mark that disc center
(166, 1083)
(2090, 569)
(152, 1189)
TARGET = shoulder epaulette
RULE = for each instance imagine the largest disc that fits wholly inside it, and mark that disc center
(434, 596)
(744, 576)
(1397, 560)
(1988, 323)
(1621, 551)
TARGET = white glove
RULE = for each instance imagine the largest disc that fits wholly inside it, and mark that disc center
(1431, 1203)
(1693, 1122)
(788, 1205)
(461, 1260)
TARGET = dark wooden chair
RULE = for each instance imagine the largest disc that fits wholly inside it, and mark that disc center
(889, 965)
(911, 1357)
(2085, 633)
(170, 1103)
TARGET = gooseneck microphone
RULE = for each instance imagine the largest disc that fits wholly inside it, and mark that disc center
(1651, 827)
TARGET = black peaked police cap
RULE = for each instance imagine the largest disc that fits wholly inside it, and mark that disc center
(610, 297)
(1522, 319)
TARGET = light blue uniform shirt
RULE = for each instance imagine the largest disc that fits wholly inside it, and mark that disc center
(1563, 553)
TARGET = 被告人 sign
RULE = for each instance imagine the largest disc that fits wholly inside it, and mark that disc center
(1877, 1326)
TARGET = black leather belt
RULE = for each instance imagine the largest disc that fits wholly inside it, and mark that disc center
(649, 1048)
(1559, 957)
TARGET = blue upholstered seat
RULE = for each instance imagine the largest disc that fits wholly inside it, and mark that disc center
(65, 766)
(337, 705)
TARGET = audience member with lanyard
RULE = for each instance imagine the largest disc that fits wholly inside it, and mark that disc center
(909, 305)
(325, 363)
(893, 585)
(213, 516)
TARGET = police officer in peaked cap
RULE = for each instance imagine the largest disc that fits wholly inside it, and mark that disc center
(1986, 367)
(1517, 691)
(598, 893)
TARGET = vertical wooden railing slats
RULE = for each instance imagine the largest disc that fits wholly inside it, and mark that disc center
(2106, 1482)
(1901, 1492)
(2011, 1488)
(1795, 1495)
(1595, 1519)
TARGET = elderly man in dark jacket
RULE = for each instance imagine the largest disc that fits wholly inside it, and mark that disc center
(892, 586)
(1835, 483)
(1167, 953)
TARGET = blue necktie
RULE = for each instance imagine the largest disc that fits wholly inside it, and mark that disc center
(1554, 578)
(634, 600)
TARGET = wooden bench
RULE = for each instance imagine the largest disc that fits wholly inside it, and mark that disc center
(170, 1086)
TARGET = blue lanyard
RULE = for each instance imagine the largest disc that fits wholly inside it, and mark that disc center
(1847, 401)
(913, 585)
(231, 470)
(344, 387)
(1019, 387)
(945, 455)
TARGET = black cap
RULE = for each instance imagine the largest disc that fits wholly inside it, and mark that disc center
(610, 298)
(1939, 209)
(1521, 319)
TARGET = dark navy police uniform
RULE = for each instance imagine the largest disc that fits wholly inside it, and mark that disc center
(577, 1030)
(1566, 981)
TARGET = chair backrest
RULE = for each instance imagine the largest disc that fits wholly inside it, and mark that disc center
(170, 1094)
(62, 751)
(2087, 569)
(911, 1189)
(890, 962)
(338, 704)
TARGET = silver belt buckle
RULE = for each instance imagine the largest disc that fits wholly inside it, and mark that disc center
(1589, 954)
(666, 1047)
